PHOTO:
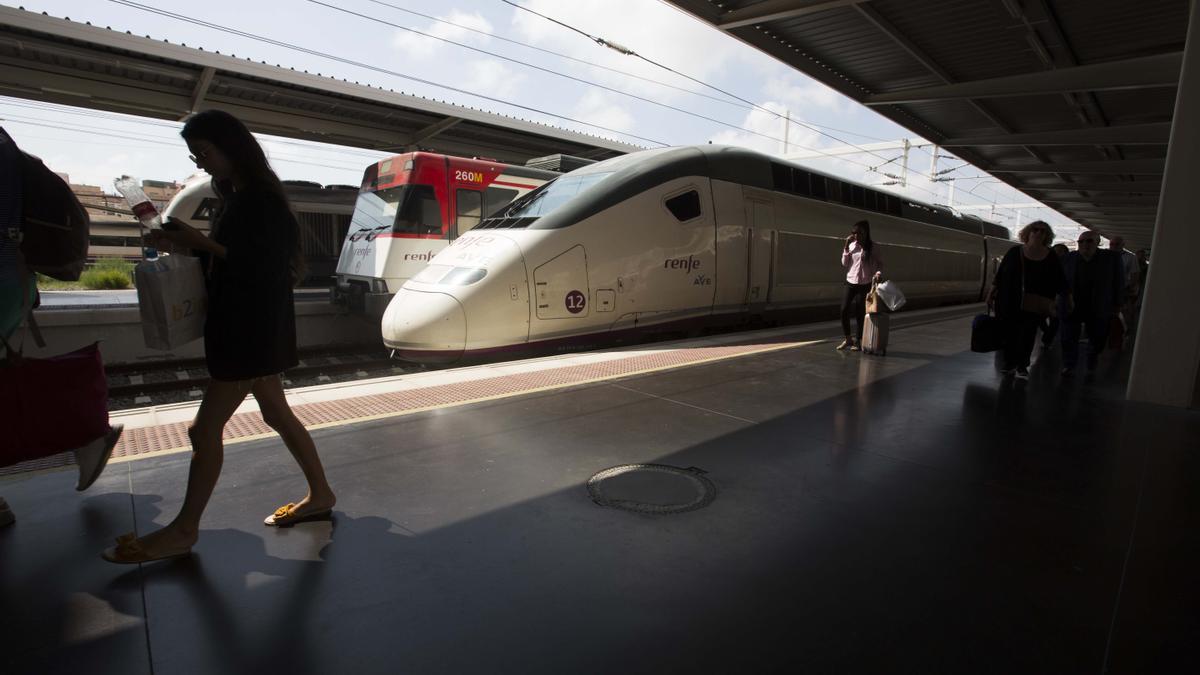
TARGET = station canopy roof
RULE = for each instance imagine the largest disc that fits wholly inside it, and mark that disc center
(56, 60)
(1069, 101)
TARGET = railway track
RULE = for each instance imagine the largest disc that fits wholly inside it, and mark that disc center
(173, 381)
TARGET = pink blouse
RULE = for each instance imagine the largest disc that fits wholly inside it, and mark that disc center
(859, 271)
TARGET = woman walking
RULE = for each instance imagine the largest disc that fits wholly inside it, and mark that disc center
(253, 259)
(1023, 293)
(863, 265)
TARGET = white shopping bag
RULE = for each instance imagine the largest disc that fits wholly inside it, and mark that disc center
(171, 299)
(890, 293)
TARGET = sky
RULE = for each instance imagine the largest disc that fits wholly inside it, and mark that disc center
(642, 104)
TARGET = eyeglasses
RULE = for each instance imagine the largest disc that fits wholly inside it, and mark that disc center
(203, 154)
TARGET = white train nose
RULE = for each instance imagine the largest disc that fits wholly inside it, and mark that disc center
(425, 326)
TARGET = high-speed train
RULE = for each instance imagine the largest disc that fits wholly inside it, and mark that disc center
(670, 238)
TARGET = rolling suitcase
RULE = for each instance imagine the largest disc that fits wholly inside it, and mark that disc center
(875, 333)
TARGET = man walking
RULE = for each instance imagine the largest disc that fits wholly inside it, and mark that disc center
(1097, 282)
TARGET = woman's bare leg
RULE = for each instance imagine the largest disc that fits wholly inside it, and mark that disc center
(279, 416)
(221, 399)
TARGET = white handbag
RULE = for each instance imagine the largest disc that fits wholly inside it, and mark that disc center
(172, 300)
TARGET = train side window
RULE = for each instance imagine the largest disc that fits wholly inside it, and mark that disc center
(800, 182)
(469, 208)
(781, 177)
(684, 207)
(496, 198)
(205, 210)
(819, 188)
(102, 240)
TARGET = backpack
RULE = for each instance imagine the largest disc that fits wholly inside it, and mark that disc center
(54, 225)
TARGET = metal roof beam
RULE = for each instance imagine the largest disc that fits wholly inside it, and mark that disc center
(422, 135)
(1153, 167)
(202, 84)
(1156, 133)
(773, 10)
(1161, 70)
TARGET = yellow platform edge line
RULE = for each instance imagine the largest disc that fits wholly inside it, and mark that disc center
(482, 399)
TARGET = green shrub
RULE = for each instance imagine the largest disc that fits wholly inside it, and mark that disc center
(98, 278)
(113, 264)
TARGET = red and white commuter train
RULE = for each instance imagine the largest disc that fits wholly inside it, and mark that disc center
(412, 206)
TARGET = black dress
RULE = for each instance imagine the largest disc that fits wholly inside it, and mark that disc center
(250, 330)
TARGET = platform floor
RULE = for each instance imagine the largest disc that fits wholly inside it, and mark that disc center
(913, 513)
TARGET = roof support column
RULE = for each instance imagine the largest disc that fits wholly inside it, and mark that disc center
(1166, 358)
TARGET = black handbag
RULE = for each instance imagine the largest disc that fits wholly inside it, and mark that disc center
(987, 333)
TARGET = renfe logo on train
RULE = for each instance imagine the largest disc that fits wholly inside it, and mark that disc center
(686, 264)
(428, 255)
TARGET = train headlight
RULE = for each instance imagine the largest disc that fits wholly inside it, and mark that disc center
(464, 276)
(450, 276)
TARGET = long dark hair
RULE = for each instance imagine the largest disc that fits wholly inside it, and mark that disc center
(238, 145)
(864, 239)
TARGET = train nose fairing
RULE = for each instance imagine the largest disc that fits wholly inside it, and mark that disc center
(481, 275)
(425, 326)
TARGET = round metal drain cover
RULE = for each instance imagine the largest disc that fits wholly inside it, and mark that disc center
(652, 488)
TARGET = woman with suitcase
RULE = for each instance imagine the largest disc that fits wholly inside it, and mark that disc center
(863, 265)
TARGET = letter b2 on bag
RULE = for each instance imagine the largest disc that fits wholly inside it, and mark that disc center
(171, 300)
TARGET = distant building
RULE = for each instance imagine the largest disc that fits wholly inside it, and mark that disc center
(99, 203)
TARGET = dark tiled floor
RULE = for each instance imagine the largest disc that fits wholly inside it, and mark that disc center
(908, 514)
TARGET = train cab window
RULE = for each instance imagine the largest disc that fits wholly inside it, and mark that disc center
(205, 210)
(418, 212)
(469, 209)
(496, 198)
(684, 207)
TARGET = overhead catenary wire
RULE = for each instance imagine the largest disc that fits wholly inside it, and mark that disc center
(375, 68)
(629, 52)
(96, 114)
(96, 131)
(556, 73)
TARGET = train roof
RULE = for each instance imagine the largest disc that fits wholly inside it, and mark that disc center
(640, 171)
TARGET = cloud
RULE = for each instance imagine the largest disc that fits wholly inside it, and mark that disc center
(599, 108)
(493, 78)
(420, 48)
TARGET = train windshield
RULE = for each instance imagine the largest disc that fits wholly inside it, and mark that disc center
(552, 195)
(404, 209)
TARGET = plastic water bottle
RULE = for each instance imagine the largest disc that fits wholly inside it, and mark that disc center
(143, 209)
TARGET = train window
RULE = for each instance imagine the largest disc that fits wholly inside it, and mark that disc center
(469, 208)
(205, 210)
(801, 182)
(685, 207)
(496, 198)
(819, 189)
(101, 240)
(419, 212)
(781, 177)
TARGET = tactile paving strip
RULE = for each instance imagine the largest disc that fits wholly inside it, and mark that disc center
(168, 438)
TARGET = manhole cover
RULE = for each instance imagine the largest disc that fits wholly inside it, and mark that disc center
(652, 488)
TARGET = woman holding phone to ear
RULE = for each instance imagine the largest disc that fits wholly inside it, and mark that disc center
(863, 265)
